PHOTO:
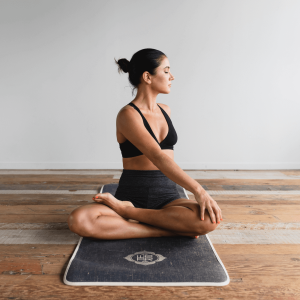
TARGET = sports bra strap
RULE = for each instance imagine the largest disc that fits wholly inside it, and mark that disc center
(136, 108)
(145, 121)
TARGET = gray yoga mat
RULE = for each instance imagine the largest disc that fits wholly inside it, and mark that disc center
(164, 261)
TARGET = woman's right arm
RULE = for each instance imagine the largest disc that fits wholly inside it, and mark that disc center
(131, 126)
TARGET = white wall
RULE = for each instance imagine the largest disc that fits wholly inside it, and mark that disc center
(235, 100)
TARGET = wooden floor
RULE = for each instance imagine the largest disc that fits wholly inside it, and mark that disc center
(257, 241)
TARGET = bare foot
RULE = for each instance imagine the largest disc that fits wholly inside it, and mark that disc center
(109, 200)
(128, 203)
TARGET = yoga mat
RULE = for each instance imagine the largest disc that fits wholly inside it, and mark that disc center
(163, 261)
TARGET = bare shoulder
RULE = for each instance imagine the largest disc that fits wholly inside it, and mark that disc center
(166, 108)
(125, 112)
(130, 126)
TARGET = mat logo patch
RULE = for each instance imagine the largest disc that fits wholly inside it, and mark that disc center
(145, 258)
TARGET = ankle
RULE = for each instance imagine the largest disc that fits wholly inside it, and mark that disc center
(126, 212)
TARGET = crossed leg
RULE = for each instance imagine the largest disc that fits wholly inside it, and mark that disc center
(180, 217)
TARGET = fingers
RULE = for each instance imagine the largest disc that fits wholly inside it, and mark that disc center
(202, 211)
(212, 214)
(213, 210)
(218, 213)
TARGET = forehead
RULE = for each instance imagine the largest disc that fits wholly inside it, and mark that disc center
(165, 63)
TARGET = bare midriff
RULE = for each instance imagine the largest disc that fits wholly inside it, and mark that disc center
(141, 162)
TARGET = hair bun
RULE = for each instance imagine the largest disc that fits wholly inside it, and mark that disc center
(124, 65)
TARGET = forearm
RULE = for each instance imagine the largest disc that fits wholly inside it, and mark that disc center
(168, 166)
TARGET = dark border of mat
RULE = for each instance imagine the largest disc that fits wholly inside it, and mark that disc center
(226, 282)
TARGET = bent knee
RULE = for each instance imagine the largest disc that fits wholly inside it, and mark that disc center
(205, 226)
(80, 222)
(74, 219)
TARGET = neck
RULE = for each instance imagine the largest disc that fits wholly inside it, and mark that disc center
(146, 99)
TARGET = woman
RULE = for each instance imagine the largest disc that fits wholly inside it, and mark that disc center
(147, 203)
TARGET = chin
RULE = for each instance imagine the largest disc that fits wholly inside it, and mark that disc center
(167, 91)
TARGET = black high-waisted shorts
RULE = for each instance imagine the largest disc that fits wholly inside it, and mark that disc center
(146, 188)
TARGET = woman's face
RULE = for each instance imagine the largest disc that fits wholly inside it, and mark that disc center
(161, 82)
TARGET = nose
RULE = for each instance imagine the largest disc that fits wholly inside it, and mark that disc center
(172, 77)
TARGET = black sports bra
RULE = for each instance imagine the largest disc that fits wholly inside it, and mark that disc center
(129, 150)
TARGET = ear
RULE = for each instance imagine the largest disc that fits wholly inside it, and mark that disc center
(147, 77)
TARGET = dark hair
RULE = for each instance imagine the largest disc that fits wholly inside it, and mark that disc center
(144, 60)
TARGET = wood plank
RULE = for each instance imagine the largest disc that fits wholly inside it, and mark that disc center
(253, 192)
(255, 219)
(252, 197)
(256, 202)
(241, 174)
(52, 179)
(287, 281)
(44, 199)
(288, 218)
(38, 237)
(67, 249)
(294, 173)
(65, 192)
(57, 186)
(33, 218)
(237, 249)
(249, 182)
(256, 187)
(256, 225)
(40, 226)
(37, 209)
(23, 266)
(223, 236)
(259, 209)
(245, 287)
(218, 236)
